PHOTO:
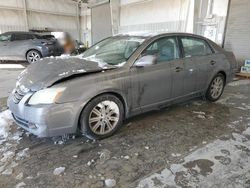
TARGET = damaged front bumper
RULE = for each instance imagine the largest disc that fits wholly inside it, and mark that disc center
(45, 120)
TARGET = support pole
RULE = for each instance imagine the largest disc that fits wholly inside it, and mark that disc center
(78, 21)
(25, 15)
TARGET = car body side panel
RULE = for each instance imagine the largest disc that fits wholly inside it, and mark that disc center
(222, 65)
(83, 90)
(183, 78)
(154, 84)
(19, 48)
(204, 69)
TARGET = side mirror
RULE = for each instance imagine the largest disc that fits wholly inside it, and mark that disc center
(145, 61)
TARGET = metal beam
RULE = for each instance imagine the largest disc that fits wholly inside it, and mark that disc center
(78, 21)
(52, 13)
(11, 8)
(38, 11)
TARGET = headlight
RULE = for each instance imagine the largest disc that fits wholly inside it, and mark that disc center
(45, 96)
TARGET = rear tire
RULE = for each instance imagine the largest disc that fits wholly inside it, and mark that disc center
(216, 88)
(33, 56)
(102, 117)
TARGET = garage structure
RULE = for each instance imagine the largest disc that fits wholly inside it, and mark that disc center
(82, 20)
(237, 38)
(100, 21)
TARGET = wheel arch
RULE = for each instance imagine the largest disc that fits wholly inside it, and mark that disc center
(34, 50)
(216, 73)
(224, 74)
(115, 93)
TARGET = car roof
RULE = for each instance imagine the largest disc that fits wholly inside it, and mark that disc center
(19, 32)
(151, 35)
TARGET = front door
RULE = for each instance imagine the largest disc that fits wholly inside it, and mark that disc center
(4, 46)
(184, 74)
(155, 81)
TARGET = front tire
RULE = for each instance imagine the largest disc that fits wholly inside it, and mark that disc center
(33, 56)
(102, 116)
(216, 88)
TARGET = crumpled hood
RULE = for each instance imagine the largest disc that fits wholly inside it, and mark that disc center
(46, 72)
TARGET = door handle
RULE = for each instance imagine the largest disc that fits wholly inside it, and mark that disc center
(212, 62)
(178, 69)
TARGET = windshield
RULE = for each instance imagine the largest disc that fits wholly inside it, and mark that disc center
(114, 50)
(5, 37)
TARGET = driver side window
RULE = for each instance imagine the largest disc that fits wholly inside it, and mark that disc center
(164, 49)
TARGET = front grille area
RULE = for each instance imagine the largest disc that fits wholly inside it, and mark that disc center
(18, 95)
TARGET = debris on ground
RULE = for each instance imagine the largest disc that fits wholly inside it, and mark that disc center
(8, 171)
(58, 171)
(22, 154)
(19, 176)
(20, 185)
(104, 155)
(200, 115)
(176, 155)
(126, 157)
(90, 162)
(110, 182)
(7, 156)
(239, 82)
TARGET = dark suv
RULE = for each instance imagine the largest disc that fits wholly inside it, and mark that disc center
(27, 46)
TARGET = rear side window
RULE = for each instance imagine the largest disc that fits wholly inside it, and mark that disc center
(29, 36)
(21, 36)
(195, 47)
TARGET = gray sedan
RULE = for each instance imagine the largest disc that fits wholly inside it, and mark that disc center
(117, 78)
(21, 46)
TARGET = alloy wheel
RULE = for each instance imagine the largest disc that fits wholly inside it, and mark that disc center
(104, 117)
(217, 87)
(33, 56)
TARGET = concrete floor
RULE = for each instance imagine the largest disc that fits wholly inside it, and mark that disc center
(196, 144)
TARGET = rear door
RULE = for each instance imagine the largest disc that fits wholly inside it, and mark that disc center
(199, 58)
(155, 81)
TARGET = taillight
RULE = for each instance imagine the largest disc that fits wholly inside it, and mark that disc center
(47, 43)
